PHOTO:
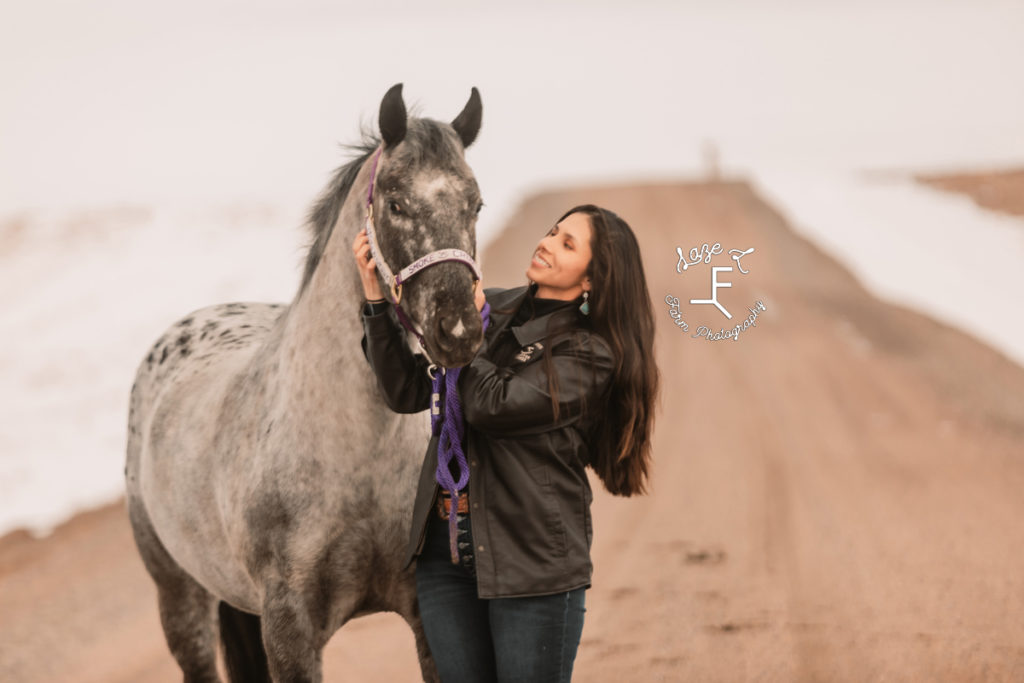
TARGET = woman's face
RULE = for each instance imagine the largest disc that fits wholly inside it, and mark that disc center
(561, 259)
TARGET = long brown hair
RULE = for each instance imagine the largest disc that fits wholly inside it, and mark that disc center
(620, 312)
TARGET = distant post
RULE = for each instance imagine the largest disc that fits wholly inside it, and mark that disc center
(709, 153)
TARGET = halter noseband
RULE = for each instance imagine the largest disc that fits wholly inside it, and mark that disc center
(395, 282)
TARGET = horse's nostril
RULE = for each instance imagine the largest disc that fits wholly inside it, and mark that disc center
(453, 331)
(451, 328)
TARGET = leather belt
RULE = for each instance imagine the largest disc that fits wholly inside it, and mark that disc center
(444, 504)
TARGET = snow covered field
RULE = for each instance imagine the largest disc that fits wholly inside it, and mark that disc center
(153, 161)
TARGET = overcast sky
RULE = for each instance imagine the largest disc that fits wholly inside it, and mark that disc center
(121, 102)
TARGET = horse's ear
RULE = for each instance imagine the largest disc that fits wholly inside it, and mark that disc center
(393, 116)
(467, 123)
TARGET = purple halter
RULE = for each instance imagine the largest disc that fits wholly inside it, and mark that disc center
(395, 281)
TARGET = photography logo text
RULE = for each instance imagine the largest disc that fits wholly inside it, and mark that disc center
(716, 303)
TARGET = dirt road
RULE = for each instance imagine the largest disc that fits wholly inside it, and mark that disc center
(838, 495)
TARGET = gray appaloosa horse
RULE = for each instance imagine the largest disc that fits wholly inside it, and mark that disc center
(269, 486)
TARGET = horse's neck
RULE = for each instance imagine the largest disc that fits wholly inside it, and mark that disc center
(320, 357)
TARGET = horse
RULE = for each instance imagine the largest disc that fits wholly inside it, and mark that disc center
(269, 488)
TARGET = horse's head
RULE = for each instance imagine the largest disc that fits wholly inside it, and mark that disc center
(425, 198)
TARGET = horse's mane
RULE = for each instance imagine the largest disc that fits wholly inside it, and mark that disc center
(324, 213)
(425, 140)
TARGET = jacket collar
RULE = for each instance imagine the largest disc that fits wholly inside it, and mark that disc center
(532, 330)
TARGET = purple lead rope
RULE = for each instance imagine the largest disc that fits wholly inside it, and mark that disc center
(450, 430)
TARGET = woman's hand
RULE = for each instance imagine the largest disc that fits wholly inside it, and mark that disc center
(480, 299)
(367, 266)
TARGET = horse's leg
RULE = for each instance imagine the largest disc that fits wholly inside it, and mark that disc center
(241, 637)
(427, 667)
(187, 610)
(403, 601)
(294, 643)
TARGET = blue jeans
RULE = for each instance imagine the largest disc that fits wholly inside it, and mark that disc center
(501, 640)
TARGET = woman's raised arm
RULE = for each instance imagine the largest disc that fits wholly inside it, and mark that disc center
(401, 374)
(502, 401)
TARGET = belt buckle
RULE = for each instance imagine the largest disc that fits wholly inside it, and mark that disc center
(444, 504)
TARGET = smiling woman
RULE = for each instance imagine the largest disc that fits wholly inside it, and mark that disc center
(562, 258)
(565, 379)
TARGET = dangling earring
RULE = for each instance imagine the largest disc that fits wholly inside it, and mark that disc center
(585, 306)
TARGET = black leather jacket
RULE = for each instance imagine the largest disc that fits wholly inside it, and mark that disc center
(528, 491)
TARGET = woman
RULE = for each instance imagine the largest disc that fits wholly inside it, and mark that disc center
(565, 379)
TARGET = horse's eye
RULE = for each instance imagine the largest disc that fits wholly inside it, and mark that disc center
(479, 207)
(395, 208)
